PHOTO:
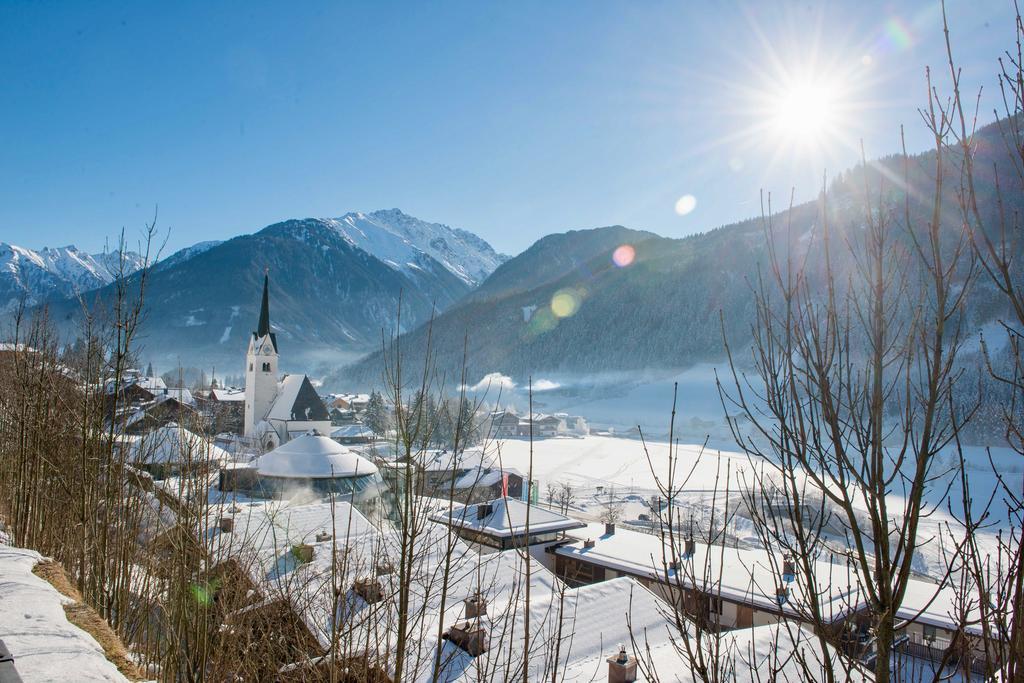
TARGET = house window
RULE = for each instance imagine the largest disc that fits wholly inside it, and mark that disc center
(266, 367)
(930, 632)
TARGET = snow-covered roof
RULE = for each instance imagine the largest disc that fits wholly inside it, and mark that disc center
(264, 532)
(735, 574)
(173, 444)
(351, 432)
(506, 517)
(445, 460)
(313, 456)
(297, 400)
(478, 477)
(228, 394)
(184, 396)
(938, 605)
(34, 627)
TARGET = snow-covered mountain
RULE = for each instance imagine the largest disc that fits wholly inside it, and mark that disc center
(401, 241)
(38, 276)
(336, 284)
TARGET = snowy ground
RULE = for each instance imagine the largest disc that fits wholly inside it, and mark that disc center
(604, 468)
(45, 645)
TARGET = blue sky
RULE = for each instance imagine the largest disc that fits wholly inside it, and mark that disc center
(513, 120)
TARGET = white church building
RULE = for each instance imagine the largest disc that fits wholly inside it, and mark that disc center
(277, 409)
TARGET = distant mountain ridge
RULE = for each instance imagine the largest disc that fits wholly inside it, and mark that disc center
(567, 305)
(38, 276)
(335, 287)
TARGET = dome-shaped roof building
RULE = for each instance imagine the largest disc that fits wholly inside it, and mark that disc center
(313, 456)
(313, 464)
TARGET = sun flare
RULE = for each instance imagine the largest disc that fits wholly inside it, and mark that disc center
(805, 112)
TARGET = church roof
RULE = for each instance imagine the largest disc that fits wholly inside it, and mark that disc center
(297, 400)
(313, 456)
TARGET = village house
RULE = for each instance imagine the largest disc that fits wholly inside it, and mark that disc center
(542, 426)
(225, 407)
(172, 450)
(504, 424)
(505, 523)
(742, 588)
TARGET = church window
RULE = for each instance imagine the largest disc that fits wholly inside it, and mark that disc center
(266, 367)
(250, 367)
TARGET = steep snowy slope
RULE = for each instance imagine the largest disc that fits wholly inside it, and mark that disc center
(401, 241)
(55, 273)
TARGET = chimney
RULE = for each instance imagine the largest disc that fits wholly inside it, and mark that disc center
(303, 552)
(689, 547)
(470, 636)
(609, 528)
(589, 543)
(323, 536)
(368, 589)
(476, 606)
(673, 566)
(621, 667)
(227, 524)
(483, 510)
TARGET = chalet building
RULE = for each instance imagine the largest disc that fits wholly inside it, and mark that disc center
(226, 409)
(277, 410)
(504, 425)
(355, 403)
(466, 477)
(750, 588)
(175, 407)
(542, 426)
(172, 450)
(505, 523)
(745, 588)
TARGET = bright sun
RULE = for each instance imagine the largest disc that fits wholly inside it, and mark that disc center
(805, 112)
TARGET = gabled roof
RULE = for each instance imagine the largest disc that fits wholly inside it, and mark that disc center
(228, 394)
(506, 518)
(297, 400)
(173, 444)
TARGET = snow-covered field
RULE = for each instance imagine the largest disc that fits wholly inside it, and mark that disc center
(601, 467)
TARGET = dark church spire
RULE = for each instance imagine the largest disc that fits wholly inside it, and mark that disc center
(264, 327)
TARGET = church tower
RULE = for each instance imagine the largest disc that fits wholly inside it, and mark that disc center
(260, 368)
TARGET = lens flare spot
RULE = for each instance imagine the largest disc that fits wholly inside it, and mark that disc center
(686, 204)
(898, 33)
(565, 303)
(543, 320)
(624, 255)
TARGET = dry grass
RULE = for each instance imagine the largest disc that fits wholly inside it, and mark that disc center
(86, 618)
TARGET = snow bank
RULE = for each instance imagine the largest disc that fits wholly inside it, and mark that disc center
(45, 645)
